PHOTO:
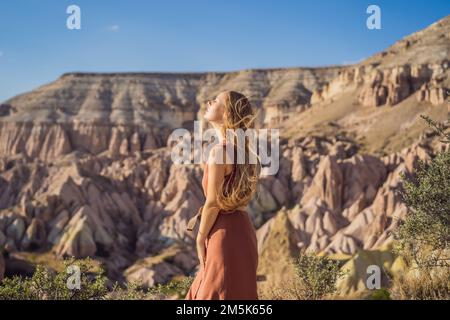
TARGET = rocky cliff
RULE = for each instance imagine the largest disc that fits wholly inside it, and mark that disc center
(85, 169)
(125, 113)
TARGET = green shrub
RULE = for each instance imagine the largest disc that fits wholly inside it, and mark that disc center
(177, 288)
(46, 284)
(316, 277)
(424, 236)
(380, 294)
(49, 285)
(134, 291)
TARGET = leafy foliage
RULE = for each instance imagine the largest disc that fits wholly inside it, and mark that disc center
(424, 236)
(48, 285)
(134, 291)
(380, 294)
(316, 276)
(174, 287)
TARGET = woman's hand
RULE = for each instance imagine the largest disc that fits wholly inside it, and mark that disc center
(201, 251)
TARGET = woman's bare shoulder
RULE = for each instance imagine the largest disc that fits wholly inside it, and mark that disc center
(220, 156)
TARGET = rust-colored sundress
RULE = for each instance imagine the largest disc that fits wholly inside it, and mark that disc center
(231, 257)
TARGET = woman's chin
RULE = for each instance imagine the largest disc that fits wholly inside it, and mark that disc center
(208, 117)
(212, 118)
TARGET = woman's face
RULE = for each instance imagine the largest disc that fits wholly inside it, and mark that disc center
(215, 108)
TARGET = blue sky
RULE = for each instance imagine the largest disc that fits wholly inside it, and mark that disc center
(197, 35)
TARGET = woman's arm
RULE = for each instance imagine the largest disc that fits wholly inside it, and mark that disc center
(216, 173)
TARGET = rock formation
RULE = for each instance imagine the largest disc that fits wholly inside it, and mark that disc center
(85, 169)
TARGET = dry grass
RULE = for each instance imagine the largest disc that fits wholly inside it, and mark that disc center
(378, 130)
(422, 285)
(292, 290)
(51, 261)
(314, 279)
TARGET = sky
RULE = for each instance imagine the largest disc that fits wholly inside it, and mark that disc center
(36, 46)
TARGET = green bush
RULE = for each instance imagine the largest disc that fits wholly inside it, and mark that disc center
(134, 291)
(46, 284)
(49, 285)
(131, 291)
(424, 236)
(380, 294)
(178, 288)
(316, 277)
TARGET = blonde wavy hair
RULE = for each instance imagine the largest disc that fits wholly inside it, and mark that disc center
(237, 190)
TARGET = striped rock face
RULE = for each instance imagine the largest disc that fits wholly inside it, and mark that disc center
(85, 169)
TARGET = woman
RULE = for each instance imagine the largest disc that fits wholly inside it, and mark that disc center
(226, 239)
